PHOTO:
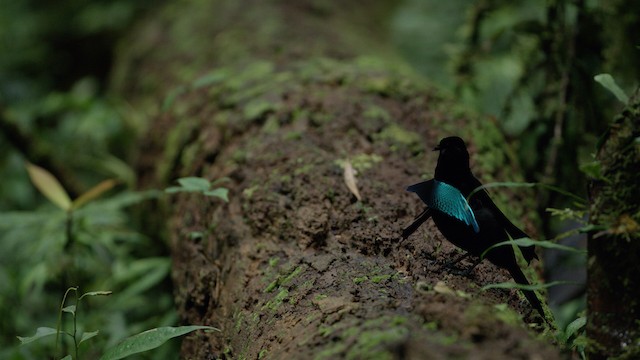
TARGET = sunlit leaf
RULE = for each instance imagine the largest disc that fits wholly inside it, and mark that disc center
(40, 333)
(96, 293)
(222, 193)
(49, 186)
(88, 335)
(94, 192)
(609, 83)
(574, 326)
(148, 340)
(194, 183)
(530, 242)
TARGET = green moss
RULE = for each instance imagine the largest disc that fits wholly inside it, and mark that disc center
(286, 280)
(273, 261)
(277, 300)
(374, 112)
(293, 135)
(380, 278)
(400, 137)
(367, 340)
(361, 162)
(304, 169)
(248, 192)
(239, 316)
(272, 286)
(360, 279)
(257, 108)
(370, 344)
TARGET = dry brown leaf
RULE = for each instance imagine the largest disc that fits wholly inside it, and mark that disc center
(350, 179)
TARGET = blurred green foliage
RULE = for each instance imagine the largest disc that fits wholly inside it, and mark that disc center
(530, 64)
(55, 111)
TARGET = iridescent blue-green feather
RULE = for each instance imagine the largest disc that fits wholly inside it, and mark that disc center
(447, 199)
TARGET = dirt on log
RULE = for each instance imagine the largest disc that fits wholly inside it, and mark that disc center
(279, 97)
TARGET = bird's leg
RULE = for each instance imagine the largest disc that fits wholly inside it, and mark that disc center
(469, 270)
(460, 258)
(450, 264)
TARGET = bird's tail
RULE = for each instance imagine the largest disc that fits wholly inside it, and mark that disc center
(531, 296)
(424, 216)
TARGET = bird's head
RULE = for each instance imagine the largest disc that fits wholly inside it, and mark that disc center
(453, 155)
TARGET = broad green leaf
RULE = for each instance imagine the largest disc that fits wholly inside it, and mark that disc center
(94, 192)
(574, 326)
(530, 242)
(511, 285)
(68, 357)
(148, 340)
(222, 193)
(88, 335)
(609, 83)
(194, 183)
(71, 309)
(49, 186)
(40, 333)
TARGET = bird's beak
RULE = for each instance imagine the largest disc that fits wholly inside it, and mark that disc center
(437, 148)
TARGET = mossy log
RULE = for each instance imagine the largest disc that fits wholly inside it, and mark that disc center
(613, 293)
(279, 97)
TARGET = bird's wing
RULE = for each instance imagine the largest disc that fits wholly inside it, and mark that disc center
(423, 189)
(449, 200)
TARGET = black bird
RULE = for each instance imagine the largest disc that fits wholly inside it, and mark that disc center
(473, 226)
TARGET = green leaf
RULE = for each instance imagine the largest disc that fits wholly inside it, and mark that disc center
(148, 340)
(194, 183)
(68, 357)
(593, 170)
(511, 285)
(222, 193)
(523, 184)
(530, 242)
(49, 186)
(94, 192)
(40, 333)
(172, 96)
(88, 335)
(609, 83)
(71, 309)
(574, 326)
(96, 293)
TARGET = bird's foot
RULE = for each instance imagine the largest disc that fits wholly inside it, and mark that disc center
(461, 272)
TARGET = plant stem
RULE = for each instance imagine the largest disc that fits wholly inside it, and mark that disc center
(75, 328)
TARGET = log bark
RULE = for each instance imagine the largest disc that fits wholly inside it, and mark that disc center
(279, 96)
(613, 293)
